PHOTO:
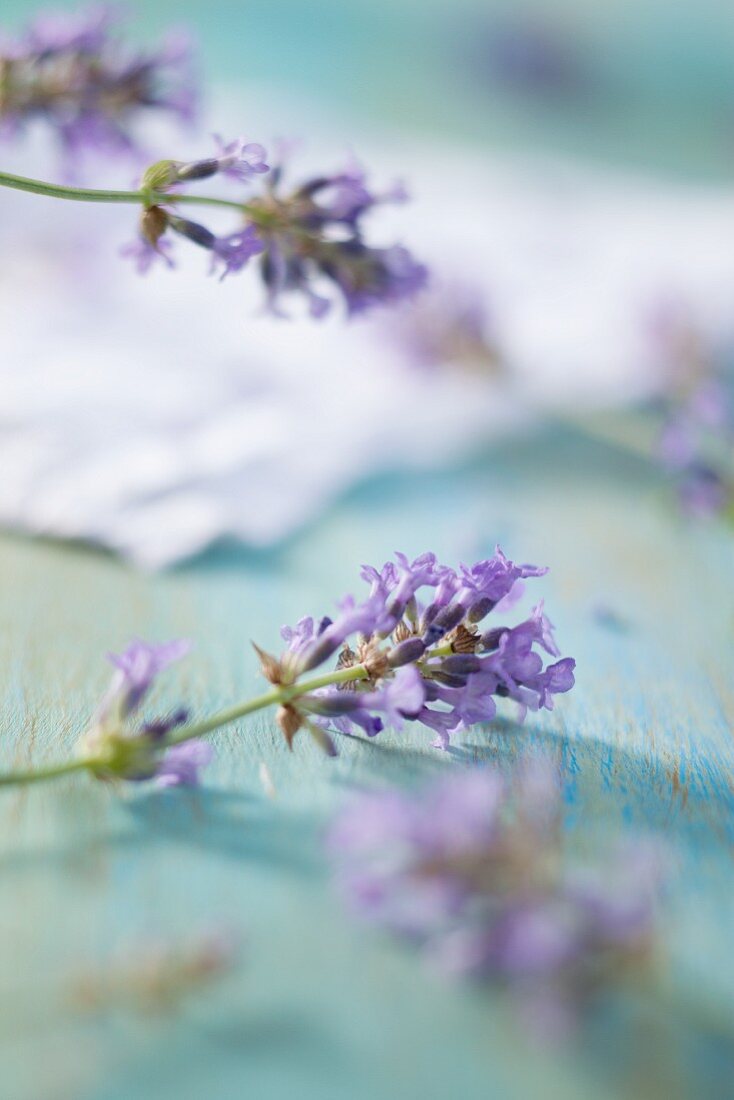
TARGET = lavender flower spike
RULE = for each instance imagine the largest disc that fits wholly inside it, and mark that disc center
(314, 239)
(309, 240)
(74, 73)
(696, 442)
(411, 651)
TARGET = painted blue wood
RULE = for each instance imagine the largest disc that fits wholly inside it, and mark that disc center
(319, 1007)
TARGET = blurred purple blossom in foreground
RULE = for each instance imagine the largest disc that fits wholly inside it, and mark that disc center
(696, 444)
(473, 870)
(426, 656)
(73, 72)
(139, 752)
(310, 239)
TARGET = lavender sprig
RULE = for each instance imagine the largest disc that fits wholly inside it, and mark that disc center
(310, 241)
(696, 442)
(473, 869)
(74, 73)
(431, 659)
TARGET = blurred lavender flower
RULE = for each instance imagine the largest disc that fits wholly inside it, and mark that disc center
(422, 659)
(125, 752)
(234, 251)
(473, 869)
(313, 239)
(181, 764)
(73, 72)
(239, 160)
(696, 443)
(136, 670)
(448, 326)
(533, 56)
(144, 254)
(309, 240)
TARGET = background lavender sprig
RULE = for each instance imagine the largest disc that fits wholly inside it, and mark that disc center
(74, 73)
(696, 440)
(474, 871)
(311, 239)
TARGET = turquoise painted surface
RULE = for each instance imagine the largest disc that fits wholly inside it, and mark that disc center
(657, 89)
(320, 1007)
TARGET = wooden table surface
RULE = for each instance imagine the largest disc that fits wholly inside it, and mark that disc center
(317, 1005)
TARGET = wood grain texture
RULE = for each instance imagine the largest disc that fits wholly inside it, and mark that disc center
(320, 1007)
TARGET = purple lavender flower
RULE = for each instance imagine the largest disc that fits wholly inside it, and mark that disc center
(369, 277)
(313, 239)
(704, 492)
(137, 668)
(234, 251)
(145, 254)
(72, 72)
(123, 751)
(308, 240)
(473, 869)
(55, 32)
(181, 764)
(449, 325)
(405, 656)
(533, 56)
(696, 441)
(240, 160)
(230, 253)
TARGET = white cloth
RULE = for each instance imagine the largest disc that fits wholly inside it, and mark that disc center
(156, 415)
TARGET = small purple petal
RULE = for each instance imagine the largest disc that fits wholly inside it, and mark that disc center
(181, 764)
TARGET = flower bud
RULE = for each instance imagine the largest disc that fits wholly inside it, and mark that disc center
(159, 176)
(318, 652)
(153, 224)
(448, 679)
(480, 609)
(492, 638)
(406, 652)
(461, 664)
(446, 620)
(196, 170)
(331, 705)
(199, 234)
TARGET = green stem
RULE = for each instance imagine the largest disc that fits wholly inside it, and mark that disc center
(85, 194)
(39, 775)
(276, 697)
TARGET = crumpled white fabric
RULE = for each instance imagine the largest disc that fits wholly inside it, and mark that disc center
(155, 416)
